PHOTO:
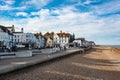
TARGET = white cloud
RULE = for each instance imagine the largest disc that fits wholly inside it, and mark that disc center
(109, 7)
(8, 7)
(36, 3)
(21, 14)
(35, 13)
(82, 24)
(90, 1)
(9, 2)
(5, 7)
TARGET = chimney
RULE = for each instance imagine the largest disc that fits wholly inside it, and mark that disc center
(22, 30)
(60, 31)
(12, 25)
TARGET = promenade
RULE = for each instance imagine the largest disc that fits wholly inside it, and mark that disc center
(99, 63)
(8, 65)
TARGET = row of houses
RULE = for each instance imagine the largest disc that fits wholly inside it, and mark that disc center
(9, 37)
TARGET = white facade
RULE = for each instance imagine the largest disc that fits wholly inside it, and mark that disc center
(56, 39)
(60, 40)
(79, 42)
(5, 37)
(20, 37)
(49, 42)
(41, 42)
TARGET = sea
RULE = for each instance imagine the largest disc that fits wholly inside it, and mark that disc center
(115, 46)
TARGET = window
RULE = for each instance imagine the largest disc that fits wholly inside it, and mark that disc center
(26, 35)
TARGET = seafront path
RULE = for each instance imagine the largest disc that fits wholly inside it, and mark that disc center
(15, 63)
(99, 63)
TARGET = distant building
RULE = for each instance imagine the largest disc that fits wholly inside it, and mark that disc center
(56, 40)
(79, 41)
(49, 39)
(40, 40)
(21, 38)
(91, 43)
(11, 28)
(82, 42)
(63, 38)
(49, 42)
(5, 36)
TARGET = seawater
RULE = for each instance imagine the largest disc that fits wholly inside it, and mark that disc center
(115, 46)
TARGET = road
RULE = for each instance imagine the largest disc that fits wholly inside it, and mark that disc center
(97, 64)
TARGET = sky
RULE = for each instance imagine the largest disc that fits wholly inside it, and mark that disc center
(97, 20)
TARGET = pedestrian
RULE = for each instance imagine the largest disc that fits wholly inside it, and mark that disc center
(2, 48)
(9, 48)
(65, 48)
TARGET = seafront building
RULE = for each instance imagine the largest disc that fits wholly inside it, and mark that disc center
(63, 38)
(9, 37)
(49, 42)
(40, 40)
(79, 41)
(21, 38)
(5, 37)
(11, 28)
(91, 43)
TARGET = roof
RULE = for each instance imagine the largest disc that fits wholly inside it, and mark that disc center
(91, 41)
(80, 39)
(17, 32)
(63, 34)
(11, 28)
(5, 29)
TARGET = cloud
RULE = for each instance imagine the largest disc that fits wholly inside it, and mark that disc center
(9, 2)
(109, 7)
(7, 7)
(90, 1)
(68, 19)
(21, 14)
(10, 5)
(36, 3)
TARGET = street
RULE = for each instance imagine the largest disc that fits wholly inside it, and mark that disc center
(100, 63)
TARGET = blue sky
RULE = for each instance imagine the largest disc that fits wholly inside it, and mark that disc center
(97, 20)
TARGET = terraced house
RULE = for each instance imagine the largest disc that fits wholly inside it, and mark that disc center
(21, 38)
(5, 37)
(63, 38)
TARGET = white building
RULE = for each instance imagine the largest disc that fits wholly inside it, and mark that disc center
(56, 40)
(40, 41)
(49, 42)
(78, 42)
(5, 37)
(81, 42)
(24, 38)
(91, 43)
(61, 38)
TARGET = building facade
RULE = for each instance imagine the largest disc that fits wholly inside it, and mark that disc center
(40, 40)
(49, 42)
(21, 38)
(5, 37)
(63, 38)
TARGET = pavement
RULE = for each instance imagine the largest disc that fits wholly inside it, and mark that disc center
(8, 65)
